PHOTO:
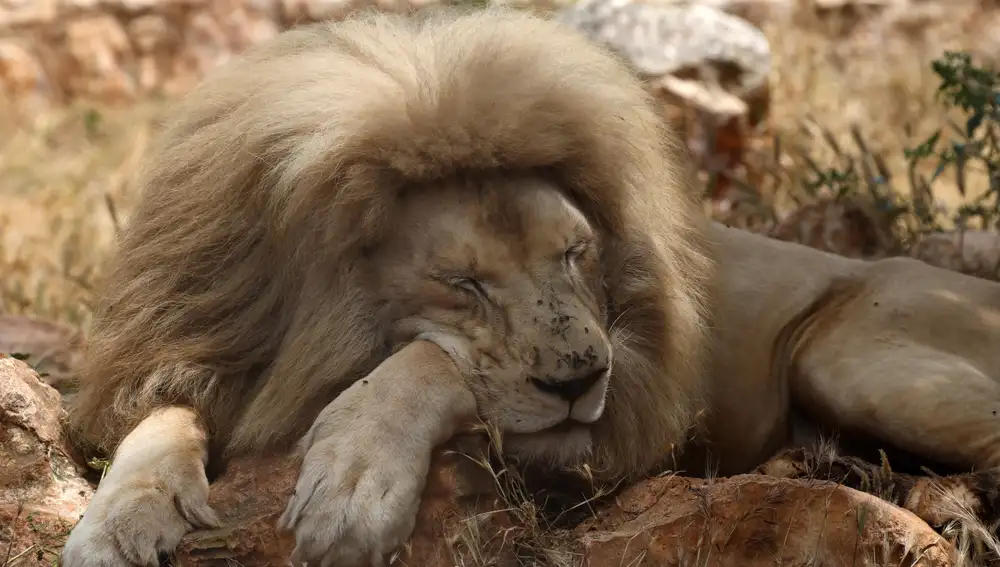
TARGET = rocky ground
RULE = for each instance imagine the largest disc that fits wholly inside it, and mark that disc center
(82, 81)
(471, 517)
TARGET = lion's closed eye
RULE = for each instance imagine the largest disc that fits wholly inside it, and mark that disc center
(575, 251)
(469, 284)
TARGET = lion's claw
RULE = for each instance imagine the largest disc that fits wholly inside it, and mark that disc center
(357, 498)
(132, 523)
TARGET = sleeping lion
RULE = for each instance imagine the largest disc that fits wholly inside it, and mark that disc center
(366, 237)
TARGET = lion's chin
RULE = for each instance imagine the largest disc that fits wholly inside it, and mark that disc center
(563, 445)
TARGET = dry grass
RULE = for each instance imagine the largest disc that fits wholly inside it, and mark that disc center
(544, 536)
(64, 176)
(59, 168)
(871, 71)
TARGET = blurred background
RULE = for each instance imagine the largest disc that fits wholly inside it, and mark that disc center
(868, 128)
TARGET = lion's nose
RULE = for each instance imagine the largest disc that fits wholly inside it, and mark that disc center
(571, 389)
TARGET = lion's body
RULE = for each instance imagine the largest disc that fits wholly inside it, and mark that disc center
(287, 266)
(895, 350)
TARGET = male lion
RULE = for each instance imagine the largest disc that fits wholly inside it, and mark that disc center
(368, 235)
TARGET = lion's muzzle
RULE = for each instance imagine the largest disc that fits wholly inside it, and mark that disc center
(572, 388)
(584, 392)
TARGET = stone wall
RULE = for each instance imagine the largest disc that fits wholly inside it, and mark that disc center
(119, 50)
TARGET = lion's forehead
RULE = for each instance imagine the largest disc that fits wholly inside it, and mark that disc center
(518, 227)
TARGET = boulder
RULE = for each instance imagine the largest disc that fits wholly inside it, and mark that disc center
(53, 349)
(253, 492)
(858, 227)
(972, 252)
(855, 227)
(42, 489)
(746, 520)
(470, 514)
(756, 520)
(123, 50)
(711, 68)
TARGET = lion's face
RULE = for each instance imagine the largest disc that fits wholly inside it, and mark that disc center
(506, 276)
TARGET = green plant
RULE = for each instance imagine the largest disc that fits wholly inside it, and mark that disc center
(973, 149)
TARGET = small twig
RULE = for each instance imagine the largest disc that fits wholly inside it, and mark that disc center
(113, 211)
(10, 544)
(19, 555)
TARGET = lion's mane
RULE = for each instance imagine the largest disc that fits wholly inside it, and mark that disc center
(235, 287)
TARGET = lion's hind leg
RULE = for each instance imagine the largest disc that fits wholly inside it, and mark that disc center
(155, 491)
(933, 404)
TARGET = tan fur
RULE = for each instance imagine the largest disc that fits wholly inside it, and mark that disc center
(154, 493)
(235, 288)
(250, 283)
(331, 204)
(895, 350)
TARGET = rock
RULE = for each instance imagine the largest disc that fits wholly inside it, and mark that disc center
(973, 252)
(15, 13)
(250, 499)
(711, 68)
(42, 489)
(53, 349)
(253, 492)
(121, 50)
(660, 40)
(747, 520)
(960, 506)
(841, 4)
(755, 520)
(698, 55)
(847, 226)
(857, 227)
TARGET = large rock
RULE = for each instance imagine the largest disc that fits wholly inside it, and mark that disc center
(972, 252)
(42, 490)
(53, 349)
(701, 55)
(756, 520)
(857, 227)
(253, 492)
(709, 66)
(848, 226)
(748, 520)
(120, 50)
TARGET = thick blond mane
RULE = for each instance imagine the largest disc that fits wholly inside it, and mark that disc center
(235, 288)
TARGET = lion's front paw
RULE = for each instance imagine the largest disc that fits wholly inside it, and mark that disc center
(131, 524)
(357, 497)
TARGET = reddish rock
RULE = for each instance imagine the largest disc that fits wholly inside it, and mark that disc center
(124, 50)
(252, 494)
(53, 349)
(973, 252)
(756, 520)
(249, 499)
(42, 490)
(748, 520)
(850, 226)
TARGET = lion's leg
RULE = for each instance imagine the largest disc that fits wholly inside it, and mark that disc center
(925, 401)
(922, 400)
(155, 491)
(367, 457)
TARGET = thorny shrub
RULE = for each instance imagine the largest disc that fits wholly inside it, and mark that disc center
(968, 150)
